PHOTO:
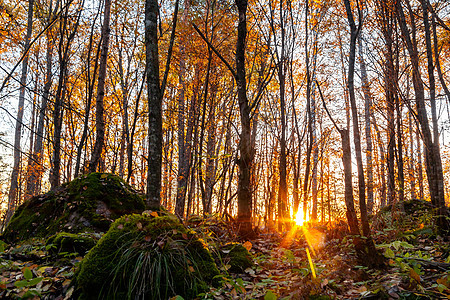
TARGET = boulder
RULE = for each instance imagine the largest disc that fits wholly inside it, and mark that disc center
(89, 203)
(147, 256)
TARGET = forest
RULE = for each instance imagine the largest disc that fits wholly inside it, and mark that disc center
(309, 138)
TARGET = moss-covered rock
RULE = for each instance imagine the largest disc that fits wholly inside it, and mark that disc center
(146, 257)
(237, 256)
(88, 203)
(65, 242)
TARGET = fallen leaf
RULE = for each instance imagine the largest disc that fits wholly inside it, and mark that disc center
(154, 214)
(362, 289)
(247, 245)
(147, 238)
(139, 225)
(120, 226)
(270, 296)
(413, 274)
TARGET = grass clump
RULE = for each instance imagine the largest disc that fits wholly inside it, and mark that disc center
(146, 257)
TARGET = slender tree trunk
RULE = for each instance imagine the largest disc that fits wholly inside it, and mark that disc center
(349, 200)
(183, 161)
(12, 196)
(154, 105)
(412, 180)
(310, 138)
(401, 175)
(436, 55)
(125, 138)
(356, 134)
(33, 182)
(432, 153)
(282, 187)
(368, 127)
(419, 166)
(90, 92)
(96, 159)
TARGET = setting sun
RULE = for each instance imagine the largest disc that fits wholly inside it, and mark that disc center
(299, 218)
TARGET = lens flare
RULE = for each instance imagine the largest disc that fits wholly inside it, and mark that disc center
(300, 218)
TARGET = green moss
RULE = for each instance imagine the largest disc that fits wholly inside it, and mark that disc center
(88, 203)
(237, 256)
(143, 256)
(65, 242)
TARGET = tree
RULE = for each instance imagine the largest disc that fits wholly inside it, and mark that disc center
(432, 154)
(99, 108)
(12, 196)
(245, 146)
(154, 105)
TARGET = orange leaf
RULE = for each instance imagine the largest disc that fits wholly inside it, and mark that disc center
(444, 281)
(154, 214)
(184, 235)
(413, 274)
(147, 238)
(247, 245)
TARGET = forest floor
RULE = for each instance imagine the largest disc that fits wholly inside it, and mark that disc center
(416, 265)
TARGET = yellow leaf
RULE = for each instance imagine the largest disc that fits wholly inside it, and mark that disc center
(247, 245)
(413, 274)
(103, 176)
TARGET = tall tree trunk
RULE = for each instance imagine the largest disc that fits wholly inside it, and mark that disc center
(419, 165)
(96, 158)
(245, 162)
(381, 165)
(432, 153)
(154, 105)
(436, 55)
(90, 93)
(365, 247)
(33, 182)
(282, 187)
(401, 175)
(310, 137)
(354, 31)
(125, 138)
(412, 179)
(368, 128)
(12, 196)
(183, 161)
